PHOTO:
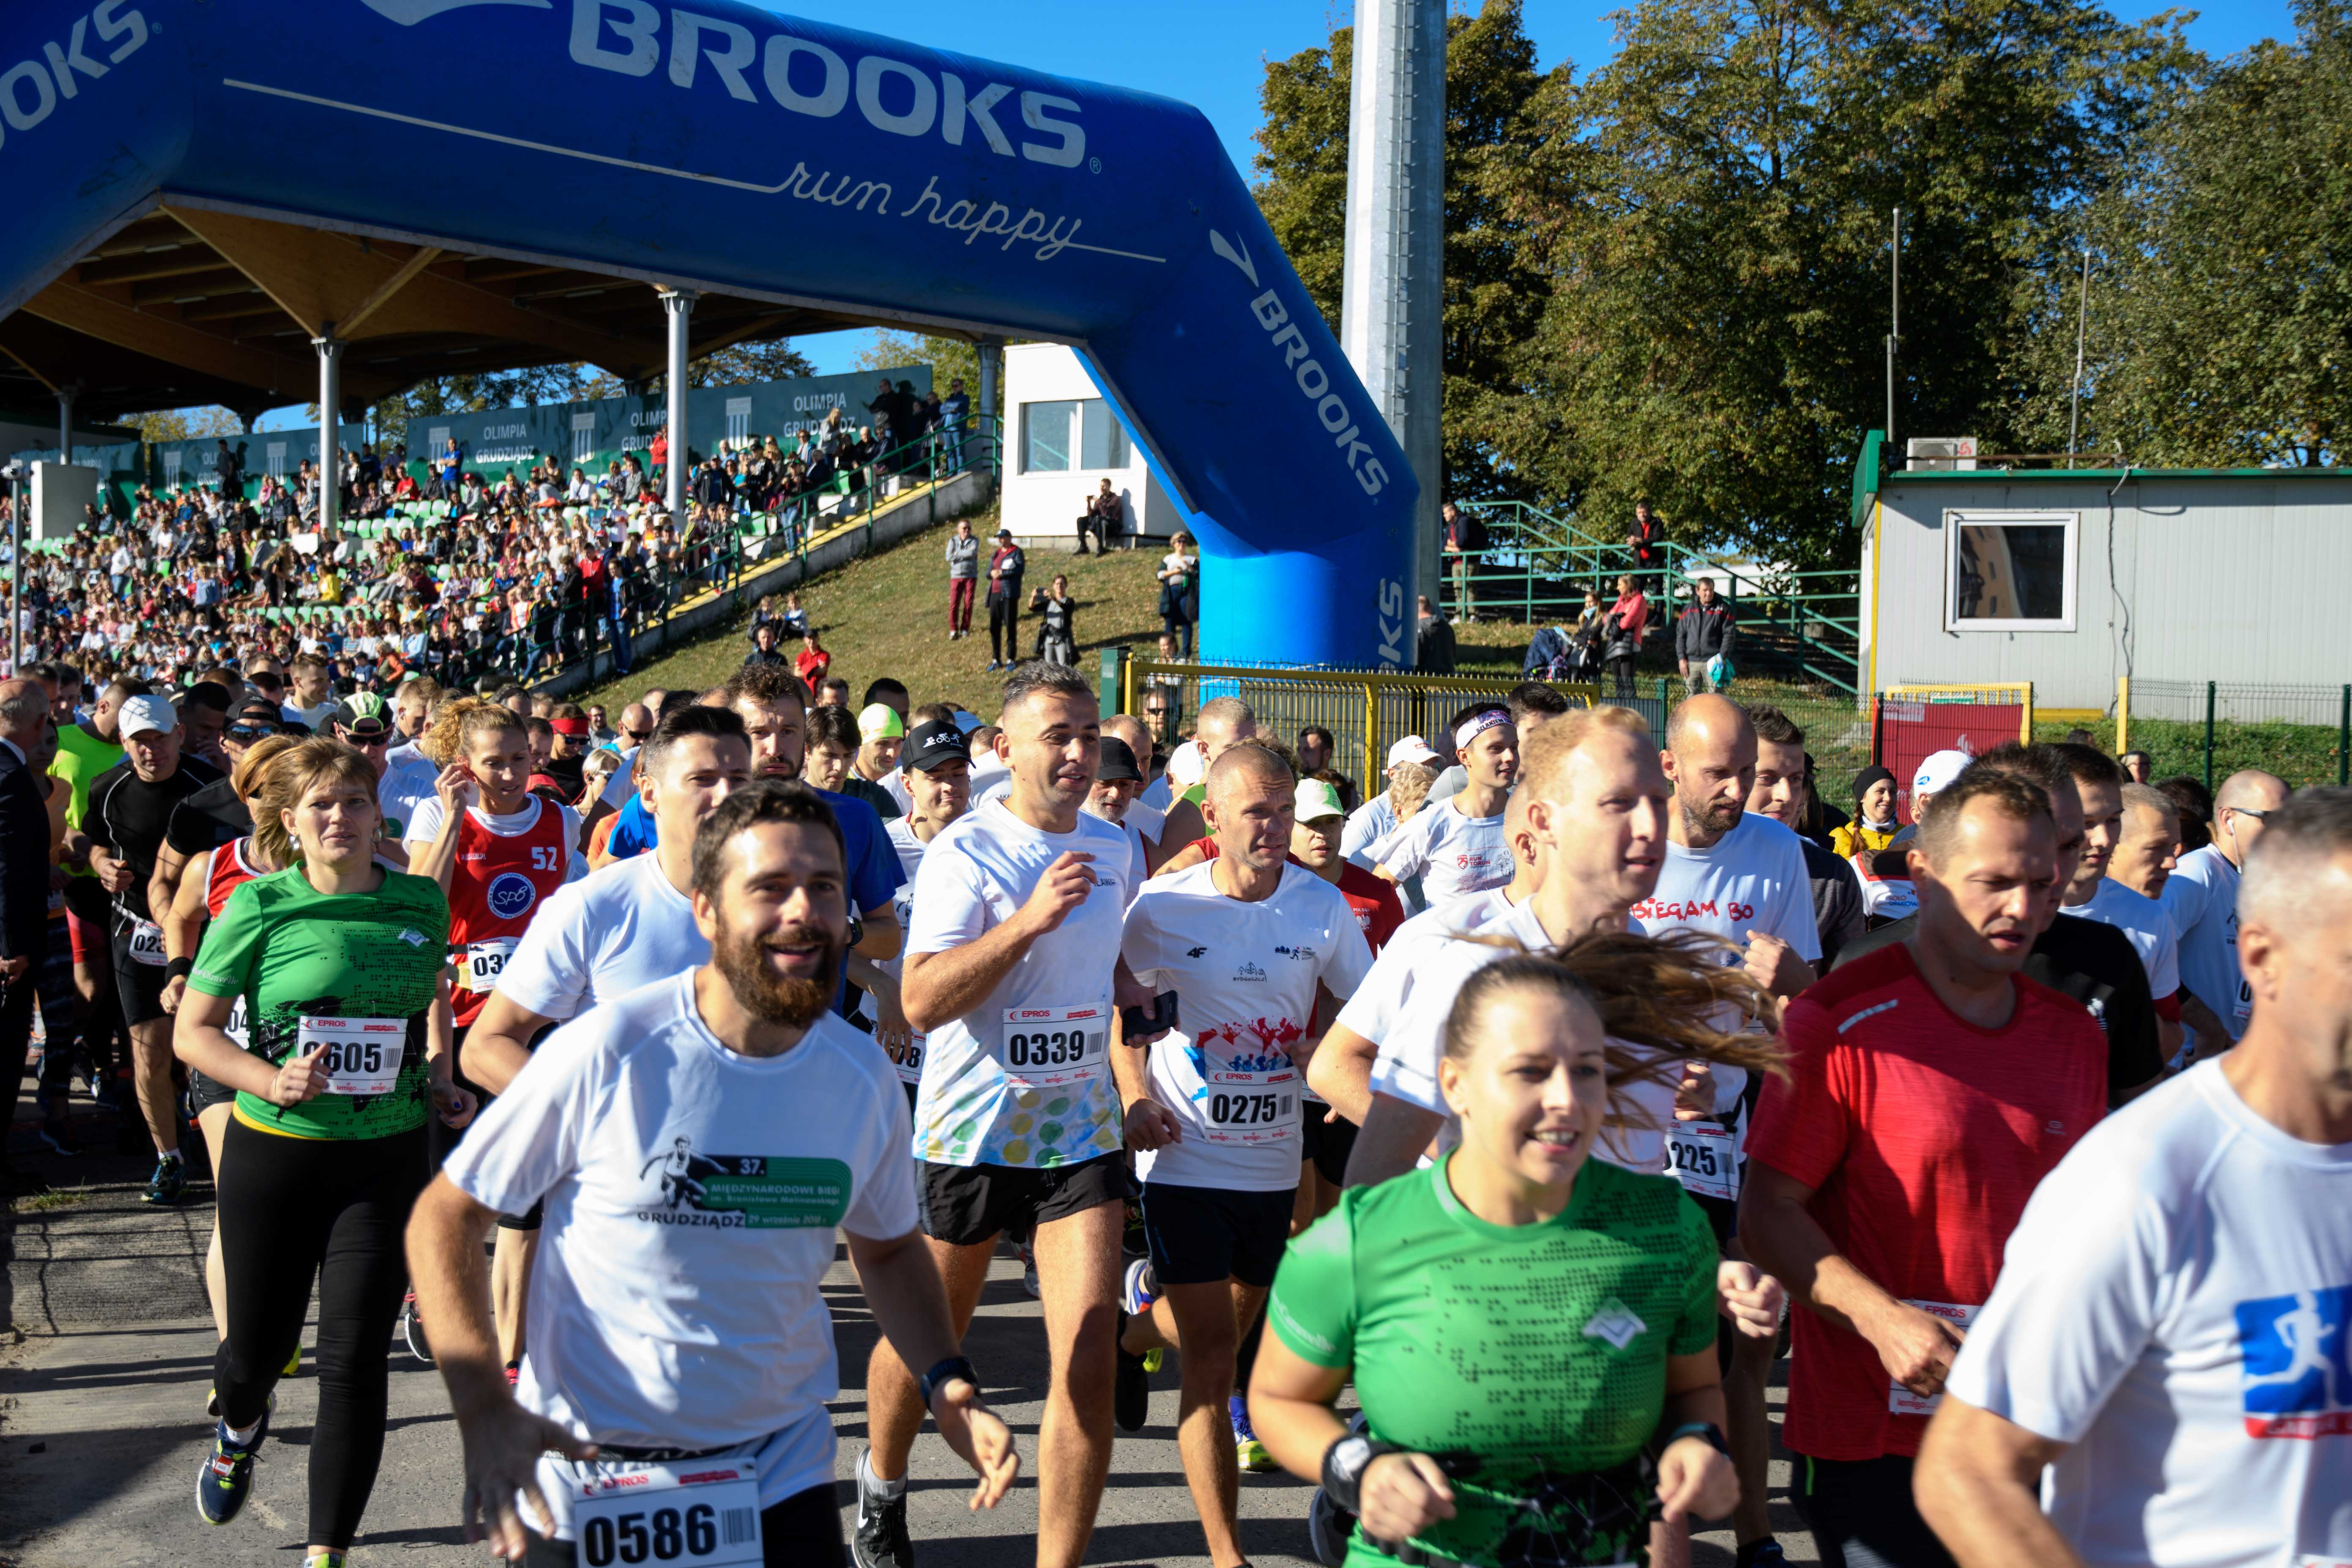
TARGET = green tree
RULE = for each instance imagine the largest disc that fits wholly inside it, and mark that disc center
(950, 359)
(187, 424)
(2221, 302)
(1713, 209)
(1495, 283)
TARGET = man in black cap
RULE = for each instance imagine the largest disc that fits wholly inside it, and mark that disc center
(1117, 781)
(935, 765)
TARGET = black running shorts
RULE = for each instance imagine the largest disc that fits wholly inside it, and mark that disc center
(964, 1205)
(1200, 1235)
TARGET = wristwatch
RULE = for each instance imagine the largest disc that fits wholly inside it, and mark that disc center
(1344, 1463)
(953, 1366)
(1706, 1430)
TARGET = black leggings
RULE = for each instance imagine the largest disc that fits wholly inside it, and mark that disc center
(290, 1209)
(805, 1528)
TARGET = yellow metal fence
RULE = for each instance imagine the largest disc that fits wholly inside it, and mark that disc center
(1366, 712)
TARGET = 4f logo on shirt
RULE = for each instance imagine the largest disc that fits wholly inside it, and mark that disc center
(2297, 1372)
(745, 1192)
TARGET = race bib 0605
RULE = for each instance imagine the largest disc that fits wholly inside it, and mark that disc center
(363, 1054)
(698, 1513)
(1047, 1047)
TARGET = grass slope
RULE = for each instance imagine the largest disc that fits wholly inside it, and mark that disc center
(888, 615)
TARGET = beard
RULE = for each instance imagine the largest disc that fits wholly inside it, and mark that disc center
(1716, 816)
(742, 960)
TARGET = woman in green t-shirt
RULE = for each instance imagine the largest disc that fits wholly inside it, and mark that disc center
(341, 963)
(1531, 1331)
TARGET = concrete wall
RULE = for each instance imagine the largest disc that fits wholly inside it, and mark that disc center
(2178, 577)
(967, 492)
(1042, 509)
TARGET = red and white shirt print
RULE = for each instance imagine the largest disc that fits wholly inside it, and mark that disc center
(505, 870)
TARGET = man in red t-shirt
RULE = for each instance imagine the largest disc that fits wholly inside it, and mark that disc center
(1931, 1087)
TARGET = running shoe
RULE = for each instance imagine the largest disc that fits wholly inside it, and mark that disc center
(168, 1185)
(211, 1402)
(228, 1473)
(1764, 1554)
(1251, 1453)
(1139, 1290)
(411, 1329)
(1130, 1399)
(1328, 1528)
(1029, 1271)
(294, 1361)
(324, 1560)
(881, 1539)
(54, 1139)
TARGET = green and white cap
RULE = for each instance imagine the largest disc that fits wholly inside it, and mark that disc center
(1316, 800)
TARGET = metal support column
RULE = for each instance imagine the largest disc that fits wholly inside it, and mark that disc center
(65, 420)
(330, 403)
(679, 305)
(992, 367)
(1392, 298)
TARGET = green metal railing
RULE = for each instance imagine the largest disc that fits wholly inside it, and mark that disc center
(1538, 567)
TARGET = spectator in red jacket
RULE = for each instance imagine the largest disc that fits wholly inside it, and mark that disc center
(812, 662)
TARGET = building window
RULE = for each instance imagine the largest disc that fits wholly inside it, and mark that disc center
(2009, 571)
(1078, 434)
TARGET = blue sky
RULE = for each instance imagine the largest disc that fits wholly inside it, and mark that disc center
(1211, 53)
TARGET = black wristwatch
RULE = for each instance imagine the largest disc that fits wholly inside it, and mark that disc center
(953, 1366)
(1706, 1430)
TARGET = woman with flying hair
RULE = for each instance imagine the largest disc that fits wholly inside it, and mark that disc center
(1530, 1331)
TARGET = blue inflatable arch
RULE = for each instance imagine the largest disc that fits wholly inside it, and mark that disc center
(727, 149)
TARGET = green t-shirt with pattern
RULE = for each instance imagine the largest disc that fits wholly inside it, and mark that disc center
(1540, 1348)
(294, 953)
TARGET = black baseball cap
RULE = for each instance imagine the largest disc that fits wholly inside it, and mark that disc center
(1117, 763)
(932, 744)
(261, 711)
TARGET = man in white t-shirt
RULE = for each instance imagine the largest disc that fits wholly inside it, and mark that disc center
(935, 774)
(627, 925)
(1117, 781)
(1241, 940)
(1017, 914)
(681, 1350)
(1456, 845)
(1373, 821)
(2163, 1374)
(2095, 894)
(2201, 896)
(1741, 877)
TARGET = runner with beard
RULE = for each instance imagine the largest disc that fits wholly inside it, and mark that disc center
(936, 776)
(667, 1139)
(1008, 971)
(603, 936)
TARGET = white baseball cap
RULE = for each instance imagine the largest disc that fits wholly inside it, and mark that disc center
(140, 714)
(1935, 773)
(1313, 800)
(1411, 749)
(1187, 766)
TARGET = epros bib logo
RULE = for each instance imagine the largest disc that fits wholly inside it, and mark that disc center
(2297, 1355)
(511, 895)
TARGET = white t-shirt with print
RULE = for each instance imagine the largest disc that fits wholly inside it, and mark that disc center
(1406, 1066)
(1380, 1000)
(1245, 974)
(2176, 1306)
(1454, 855)
(425, 827)
(613, 931)
(1023, 1078)
(2144, 921)
(2201, 896)
(691, 1205)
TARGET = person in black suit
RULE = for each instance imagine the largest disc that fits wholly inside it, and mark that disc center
(23, 889)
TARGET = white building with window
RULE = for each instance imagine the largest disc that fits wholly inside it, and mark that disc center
(1062, 441)
(2069, 579)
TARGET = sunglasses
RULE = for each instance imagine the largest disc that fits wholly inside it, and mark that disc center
(639, 736)
(366, 742)
(245, 734)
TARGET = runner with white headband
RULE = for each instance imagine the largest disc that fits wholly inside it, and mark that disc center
(1458, 848)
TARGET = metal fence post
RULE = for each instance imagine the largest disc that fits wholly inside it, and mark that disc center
(2208, 735)
(2122, 714)
(2344, 739)
(1373, 761)
(1112, 689)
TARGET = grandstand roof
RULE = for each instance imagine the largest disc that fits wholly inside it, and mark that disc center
(184, 306)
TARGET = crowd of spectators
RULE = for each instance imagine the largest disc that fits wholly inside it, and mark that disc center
(436, 567)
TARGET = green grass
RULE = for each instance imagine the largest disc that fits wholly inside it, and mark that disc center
(888, 615)
(2299, 753)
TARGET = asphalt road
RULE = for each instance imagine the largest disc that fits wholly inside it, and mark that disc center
(103, 1426)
